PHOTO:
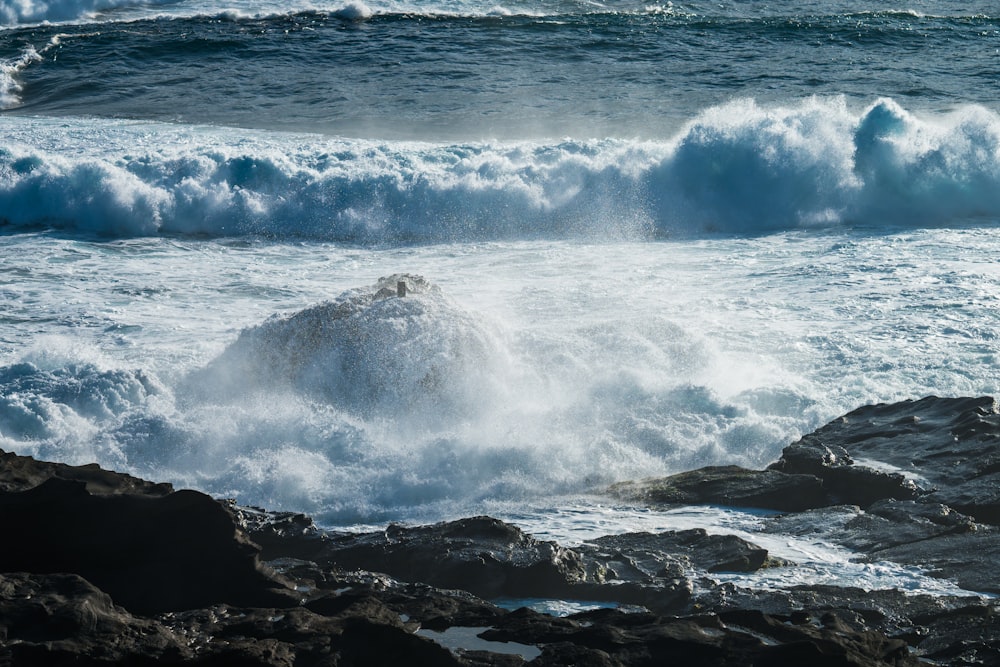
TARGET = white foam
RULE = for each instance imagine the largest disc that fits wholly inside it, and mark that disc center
(411, 358)
(354, 11)
(739, 168)
(813, 561)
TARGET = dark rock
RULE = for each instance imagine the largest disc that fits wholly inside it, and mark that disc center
(481, 555)
(843, 481)
(150, 553)
(949, 446)
(884, 525)
(745, 637)
(971, 560)
(729, 485)
(185, 560)
(929, 624)
(672, 553)
(942, 542)
(53, 619)
(280, 534)
(492, 559)
(20, 473)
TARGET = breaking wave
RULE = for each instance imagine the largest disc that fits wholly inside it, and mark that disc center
(392, 401)
(739, 168)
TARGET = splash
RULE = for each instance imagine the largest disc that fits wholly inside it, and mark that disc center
(398, 350)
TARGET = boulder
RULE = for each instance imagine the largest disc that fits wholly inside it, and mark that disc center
(671, 553)
(728, 485)
(150, 553)
(944, 450)
(62, 619)
(482, 555)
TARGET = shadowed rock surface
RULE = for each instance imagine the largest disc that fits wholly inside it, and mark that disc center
(150, 553)
(99, 568)
(20, 473)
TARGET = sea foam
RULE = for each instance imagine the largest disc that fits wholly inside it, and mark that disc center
(738, 168)
(378, 405)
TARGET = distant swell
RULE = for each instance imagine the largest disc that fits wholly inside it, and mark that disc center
(15, 12)
(738, 168)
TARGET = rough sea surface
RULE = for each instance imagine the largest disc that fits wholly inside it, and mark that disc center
(654, 237)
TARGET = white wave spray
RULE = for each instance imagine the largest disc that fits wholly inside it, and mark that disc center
(739, 168)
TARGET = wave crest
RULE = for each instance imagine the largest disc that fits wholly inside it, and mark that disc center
(738, 168)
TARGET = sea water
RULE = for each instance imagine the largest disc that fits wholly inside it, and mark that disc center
(654, 237)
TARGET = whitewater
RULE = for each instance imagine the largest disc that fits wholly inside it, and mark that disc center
(633, 239)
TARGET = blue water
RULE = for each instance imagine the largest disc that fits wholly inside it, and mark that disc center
(651, 236)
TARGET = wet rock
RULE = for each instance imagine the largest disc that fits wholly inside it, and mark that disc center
(949, 447)
(728, 485)
(481, 555)
(172, 578)
(842, 480)
(493, 559)
(53, 619)
(747, 637)
(671, 553)
(884, 525)
(280, 534)
(954, 630)
(364, 632)
(20, 473)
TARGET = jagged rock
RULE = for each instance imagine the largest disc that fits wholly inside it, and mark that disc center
(185, 561)
(748, 637)
(728, 485)
(940, 450)
(670, 553)
(362, 632)
(150, 553)
(492, 559)
(20, 473)
(843, 481)
(481, 555)
(280, 534)
(884, 525)
(55, 619)
(971, 560)
(954, 630)
(950, 447)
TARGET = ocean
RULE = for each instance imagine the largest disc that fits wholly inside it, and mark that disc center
(649, 237)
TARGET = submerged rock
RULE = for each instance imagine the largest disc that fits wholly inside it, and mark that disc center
(399, 347)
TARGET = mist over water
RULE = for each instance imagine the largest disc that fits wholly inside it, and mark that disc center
(533, 371)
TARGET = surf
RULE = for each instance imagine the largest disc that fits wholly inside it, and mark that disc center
(739, 168)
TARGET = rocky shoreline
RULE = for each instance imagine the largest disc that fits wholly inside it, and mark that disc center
(101, 568)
